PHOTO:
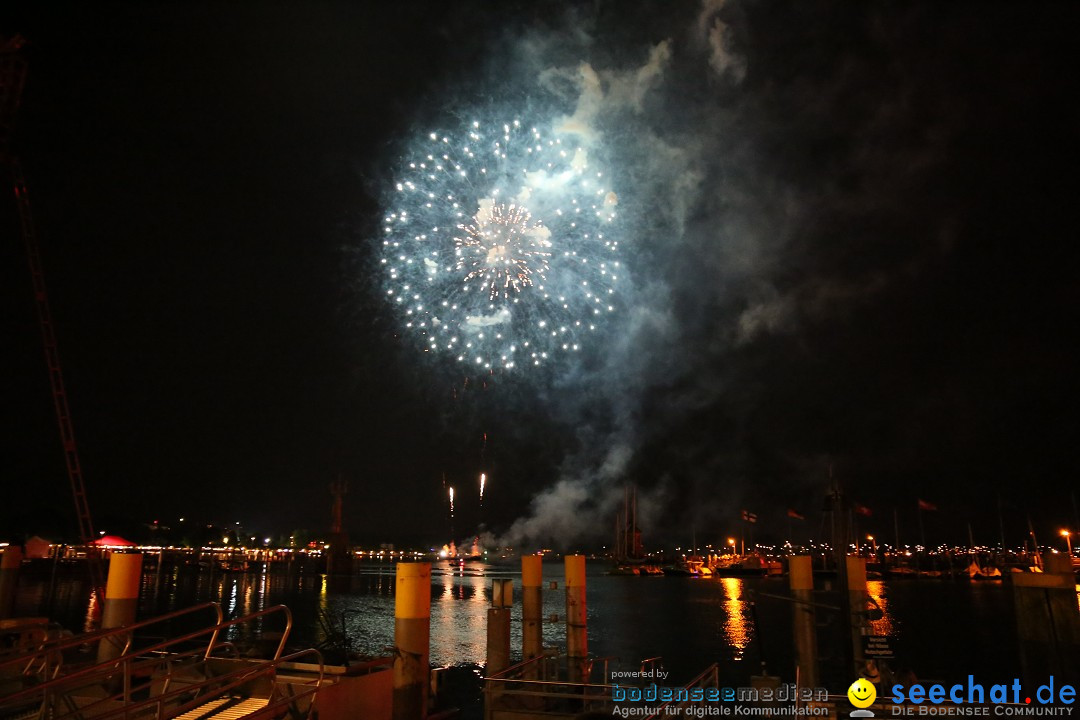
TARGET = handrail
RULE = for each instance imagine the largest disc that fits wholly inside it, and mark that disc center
(565, 683)
(129, 689)
(650, 661)
(237, 678)
(712, 670)
(77, 640)
(313, 691)
(127, 657)
(501, 675)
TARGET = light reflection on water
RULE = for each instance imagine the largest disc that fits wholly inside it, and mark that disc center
(737, 627)
(879, 592)
(689, 622)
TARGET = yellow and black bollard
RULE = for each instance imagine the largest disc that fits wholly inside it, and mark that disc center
(412, 630)
(532, 606)
(121, 601)
(577, 638)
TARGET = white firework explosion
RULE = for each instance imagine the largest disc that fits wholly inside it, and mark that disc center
(497, 250)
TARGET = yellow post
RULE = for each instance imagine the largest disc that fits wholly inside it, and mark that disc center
(412, 629)
(498, 626)
(9, 579)
(857, 598)
(804, 623)
(121, 601)
(532, 606)
(577, 638)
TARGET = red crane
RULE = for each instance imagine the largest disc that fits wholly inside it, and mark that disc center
(12, 80)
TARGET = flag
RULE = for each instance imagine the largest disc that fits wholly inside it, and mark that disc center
(863, 510)
(929, 507)
(792, 514)
(749, 516)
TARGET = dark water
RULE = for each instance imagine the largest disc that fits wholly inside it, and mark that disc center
(942, 630)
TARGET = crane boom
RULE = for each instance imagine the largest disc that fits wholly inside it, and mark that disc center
(12, 79)
(52, 356)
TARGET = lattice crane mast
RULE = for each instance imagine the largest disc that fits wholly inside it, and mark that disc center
(12, 80)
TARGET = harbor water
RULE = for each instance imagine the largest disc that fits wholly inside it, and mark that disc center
(940, 630)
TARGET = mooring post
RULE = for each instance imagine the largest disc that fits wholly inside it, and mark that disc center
(1048, 622)
(412, 630)
(804, 622)
(857, 599)
(121, 601)
(577, 639)
(532, 607)
(498, 626)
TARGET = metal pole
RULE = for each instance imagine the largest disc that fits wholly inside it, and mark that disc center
(412, 631)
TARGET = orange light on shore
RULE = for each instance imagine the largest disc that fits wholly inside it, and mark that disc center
(1068, 540)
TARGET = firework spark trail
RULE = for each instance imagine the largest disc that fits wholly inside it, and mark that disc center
(451, 503)
(498, 250)
(483, 480)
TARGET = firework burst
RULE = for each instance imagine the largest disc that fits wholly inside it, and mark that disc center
(498, 250)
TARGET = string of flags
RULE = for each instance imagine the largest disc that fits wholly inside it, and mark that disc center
(859, 509)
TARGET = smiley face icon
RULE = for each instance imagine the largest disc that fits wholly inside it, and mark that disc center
(862, 693)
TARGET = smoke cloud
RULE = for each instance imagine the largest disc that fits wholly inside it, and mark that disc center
(791, 185)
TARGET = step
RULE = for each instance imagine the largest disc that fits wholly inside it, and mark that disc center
(225, 708)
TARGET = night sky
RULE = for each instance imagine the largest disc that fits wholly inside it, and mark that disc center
(850, 230)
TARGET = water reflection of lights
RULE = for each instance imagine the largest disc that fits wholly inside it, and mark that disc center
(877, 591)
(448, 587)
(93, 612)
(264, 588)
(232, 599)
(737, 626)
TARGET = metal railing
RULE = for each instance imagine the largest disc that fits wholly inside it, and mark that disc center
(171, 703)
(45, 660)
(534, 686)
(502, 694)
(134, 669)
(709, 678)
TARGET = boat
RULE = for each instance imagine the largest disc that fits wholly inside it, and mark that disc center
(974, 572)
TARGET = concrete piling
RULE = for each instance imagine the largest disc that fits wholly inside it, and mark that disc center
(9, 579)
(498, 626)
(121, 601)
(412, 630)
(577, 639)
(804, 622)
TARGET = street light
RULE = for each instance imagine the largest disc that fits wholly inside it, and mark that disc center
(1068, 540)
(731, 542)
(873, 543)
